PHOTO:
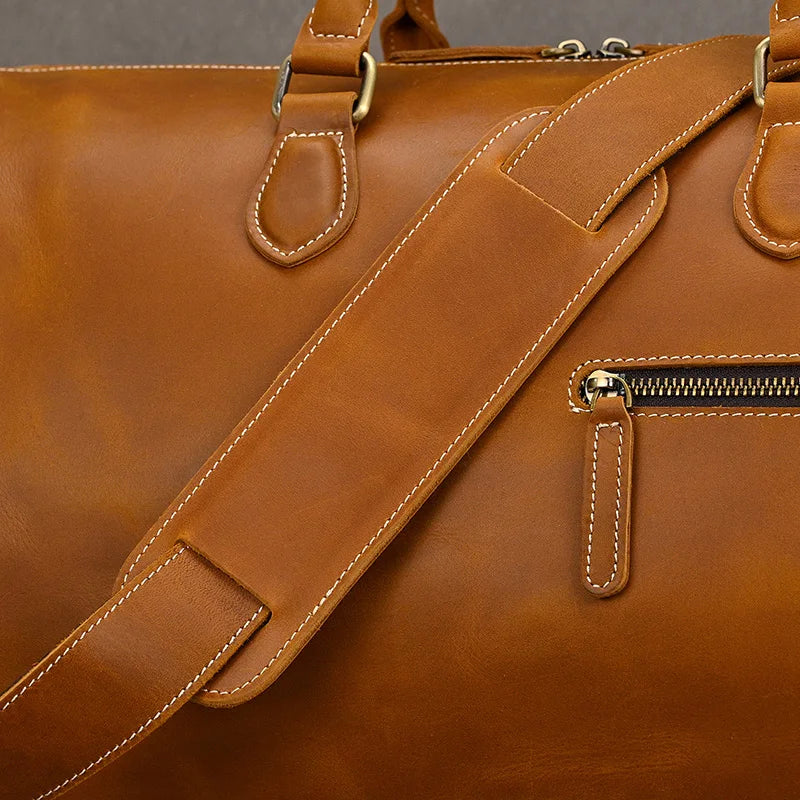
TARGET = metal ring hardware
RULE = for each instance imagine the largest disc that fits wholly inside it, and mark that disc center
(369, 79)
(760, 72)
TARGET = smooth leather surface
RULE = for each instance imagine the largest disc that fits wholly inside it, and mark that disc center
(434, 632)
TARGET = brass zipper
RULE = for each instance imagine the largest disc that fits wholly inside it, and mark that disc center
(755, 386)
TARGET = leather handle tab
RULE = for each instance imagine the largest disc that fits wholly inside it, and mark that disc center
(766, 201)
(306, 198)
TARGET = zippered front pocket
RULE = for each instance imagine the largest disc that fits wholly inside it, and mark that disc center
(614, 393)
(755, 386)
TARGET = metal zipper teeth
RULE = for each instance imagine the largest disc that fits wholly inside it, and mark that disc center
(650, 387)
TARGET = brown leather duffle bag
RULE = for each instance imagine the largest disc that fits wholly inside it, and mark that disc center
(528, 320)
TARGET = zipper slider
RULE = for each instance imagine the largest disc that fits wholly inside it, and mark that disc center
(615, 47)
(607, 497)
(569, 48)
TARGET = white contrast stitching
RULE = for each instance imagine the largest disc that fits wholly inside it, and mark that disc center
(424, 16)
(338, 137)
(133, 67)
(520, 364)
(259, 68)
(652, 359)
(143, 727)
(774, 414)
(618, 513)
(94, 625)
(779, 19)
(328, 331)
(339, 35)
(749, 183)
(599, 87)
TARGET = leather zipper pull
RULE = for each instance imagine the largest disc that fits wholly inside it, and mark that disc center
(607, 503)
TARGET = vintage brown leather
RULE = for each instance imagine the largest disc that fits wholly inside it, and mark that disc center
(141, 323)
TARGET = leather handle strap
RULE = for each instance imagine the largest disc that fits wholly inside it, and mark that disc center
(412, 25)
(337, 32)
(334, 36)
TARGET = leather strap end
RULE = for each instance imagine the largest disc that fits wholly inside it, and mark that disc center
(121, 675)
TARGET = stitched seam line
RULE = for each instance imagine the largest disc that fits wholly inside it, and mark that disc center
(603, 85)
(779, 19)
(748, 185)
(774, 415)
(328, 331)
(94, 625)
(618, 511)
(651, 359)
(338, 137)
(143, 727)
(339, 35)
(424, 16)
(520, 364)
(260, 68)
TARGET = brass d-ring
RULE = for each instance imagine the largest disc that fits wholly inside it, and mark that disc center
(760, 72)
(369, 79)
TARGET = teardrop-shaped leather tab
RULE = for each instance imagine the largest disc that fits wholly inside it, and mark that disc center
(766, 203)
(307, 197)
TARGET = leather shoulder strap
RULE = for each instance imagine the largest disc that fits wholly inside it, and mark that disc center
(343, 449)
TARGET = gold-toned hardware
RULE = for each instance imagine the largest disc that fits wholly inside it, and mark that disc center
(604, 384)
(369, 69)
(615, 47)
(760, 72)
(569, 48)
(369, 79)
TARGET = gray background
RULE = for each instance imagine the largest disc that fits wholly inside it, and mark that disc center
(262, 31)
